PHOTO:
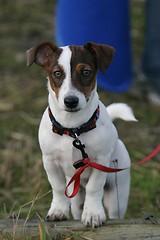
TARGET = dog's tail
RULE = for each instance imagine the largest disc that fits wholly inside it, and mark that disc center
(122, 111)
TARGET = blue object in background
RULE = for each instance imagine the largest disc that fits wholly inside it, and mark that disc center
(102, 21)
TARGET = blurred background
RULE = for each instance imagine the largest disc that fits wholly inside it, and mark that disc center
(24, 188)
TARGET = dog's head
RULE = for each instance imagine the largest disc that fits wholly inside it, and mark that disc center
(72, 70)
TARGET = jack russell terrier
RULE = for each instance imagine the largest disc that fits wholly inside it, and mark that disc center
(75, 111)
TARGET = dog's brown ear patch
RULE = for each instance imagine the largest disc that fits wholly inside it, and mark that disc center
(103, 54)
(42, 54)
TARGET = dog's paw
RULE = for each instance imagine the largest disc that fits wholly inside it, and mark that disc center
(93, 216)
(58, 213)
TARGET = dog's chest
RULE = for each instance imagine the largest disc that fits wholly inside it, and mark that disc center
(97, 143)
(64, 154)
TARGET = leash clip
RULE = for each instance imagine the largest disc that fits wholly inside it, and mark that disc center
(77, 144)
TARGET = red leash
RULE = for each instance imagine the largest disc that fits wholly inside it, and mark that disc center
(87, 163)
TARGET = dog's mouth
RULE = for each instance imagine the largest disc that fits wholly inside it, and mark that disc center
(72, 110)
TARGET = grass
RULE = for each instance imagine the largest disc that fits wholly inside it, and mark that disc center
(24, 189)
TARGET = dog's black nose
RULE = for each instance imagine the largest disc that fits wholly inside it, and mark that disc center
(71, 101)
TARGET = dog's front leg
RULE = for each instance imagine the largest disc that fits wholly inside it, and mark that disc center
(93, 211)
(59, 209)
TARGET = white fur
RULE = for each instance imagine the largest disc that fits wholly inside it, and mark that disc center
(121, 110)
(102, 145)
(67, 88)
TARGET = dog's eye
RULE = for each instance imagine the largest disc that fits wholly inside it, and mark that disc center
(57, 73)
(86, 72)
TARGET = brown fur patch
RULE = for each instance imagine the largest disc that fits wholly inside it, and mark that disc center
(55, 81)
(81, 61)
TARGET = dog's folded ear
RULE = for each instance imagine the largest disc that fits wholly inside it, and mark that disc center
(103, 54)
(42, 54)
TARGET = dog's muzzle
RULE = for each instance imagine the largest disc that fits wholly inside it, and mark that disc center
(71, 103)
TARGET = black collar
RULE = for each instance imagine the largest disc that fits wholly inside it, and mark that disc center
(74, 132)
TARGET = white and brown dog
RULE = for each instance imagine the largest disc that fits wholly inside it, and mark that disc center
(73, 102)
